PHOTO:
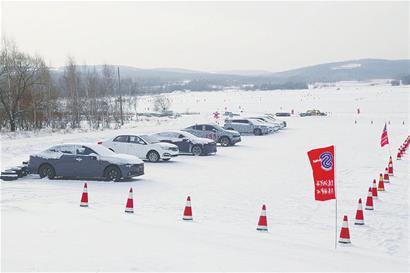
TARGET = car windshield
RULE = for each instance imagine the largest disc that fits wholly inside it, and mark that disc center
(150, 139)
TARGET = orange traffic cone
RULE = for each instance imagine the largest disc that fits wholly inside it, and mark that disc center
(381, 183)
(84, 197)
(188, 210)
(263, 222)
(390, 166)
(344, 237)
(399, 155)
(386, 176)
(369, 200)
(374, 189)
(129, 207)
(359, 214)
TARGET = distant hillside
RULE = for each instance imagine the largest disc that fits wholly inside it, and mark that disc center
(364, 69)
(161, 80)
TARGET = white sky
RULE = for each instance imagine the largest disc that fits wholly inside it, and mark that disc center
(209, 36)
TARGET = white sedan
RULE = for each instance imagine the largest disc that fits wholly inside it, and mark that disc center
(143, 146)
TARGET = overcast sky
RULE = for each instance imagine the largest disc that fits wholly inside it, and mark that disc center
(209, 36)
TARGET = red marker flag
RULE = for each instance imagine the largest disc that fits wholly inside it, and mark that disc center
(323, 167)
(384, 138)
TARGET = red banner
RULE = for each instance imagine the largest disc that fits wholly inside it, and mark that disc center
(323, 166)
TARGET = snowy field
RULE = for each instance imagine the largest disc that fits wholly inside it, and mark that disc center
(43, 228)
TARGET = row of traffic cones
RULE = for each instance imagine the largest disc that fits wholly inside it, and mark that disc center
(372, 194)
(403, 148)
(187, 215)
(129, 206)
(371, 122)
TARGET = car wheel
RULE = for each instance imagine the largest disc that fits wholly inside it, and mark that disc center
(46, 170)
(257, 132)
(153, 156)
(112, 173)
(196, 150)
(225, 141)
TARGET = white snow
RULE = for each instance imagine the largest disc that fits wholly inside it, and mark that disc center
(347, 66)
(43, 228)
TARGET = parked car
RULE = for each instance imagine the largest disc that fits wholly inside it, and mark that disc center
(278, 124)
(273, 125)
(84, 161)
(188, 143)
(230, 114)
(312, 113)
(272, 118)
(247, 126)
(143, 146)
(215, 132)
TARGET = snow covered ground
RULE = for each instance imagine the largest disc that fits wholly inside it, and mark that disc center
(43, 228)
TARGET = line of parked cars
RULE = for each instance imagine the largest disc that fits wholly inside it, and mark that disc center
(122, 156)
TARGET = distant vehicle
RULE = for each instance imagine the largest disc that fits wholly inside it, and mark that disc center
(215, 132)
(144, 146)
(230, 114)
(312, 113)
(278, 124)
(84, 161)
(188, 143)
(283, 114)
(248, 126)
(271, 117)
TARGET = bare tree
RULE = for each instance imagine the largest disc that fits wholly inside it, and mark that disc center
(18, 73)
(162, 103)
(71, 84)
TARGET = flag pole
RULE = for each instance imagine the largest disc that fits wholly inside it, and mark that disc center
(334, 166)
(388, 139)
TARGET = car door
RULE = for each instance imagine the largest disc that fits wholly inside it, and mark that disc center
(137, 147)
(210, 132)
(120, 144)
(184, 143)
(196, 130)
(238, 126)
(66, 164)
(87, 163)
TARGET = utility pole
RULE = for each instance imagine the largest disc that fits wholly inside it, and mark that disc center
(119, 91)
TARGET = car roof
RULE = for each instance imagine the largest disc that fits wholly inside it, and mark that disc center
(172, 131)
(76, 143)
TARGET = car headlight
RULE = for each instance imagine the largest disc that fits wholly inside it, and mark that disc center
(128, 165)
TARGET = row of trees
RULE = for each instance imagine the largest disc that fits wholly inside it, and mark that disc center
(33, 97)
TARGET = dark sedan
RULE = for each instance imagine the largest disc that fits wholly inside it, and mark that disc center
(84, 161)
(188, 143)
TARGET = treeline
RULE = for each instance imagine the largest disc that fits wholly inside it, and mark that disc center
(32, 97)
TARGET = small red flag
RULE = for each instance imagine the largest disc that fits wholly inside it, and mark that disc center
(323, 167)
(384, 138)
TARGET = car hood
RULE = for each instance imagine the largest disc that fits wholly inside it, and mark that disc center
(166, 145)
(201, 140)
(122, 159)
(231, 132)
